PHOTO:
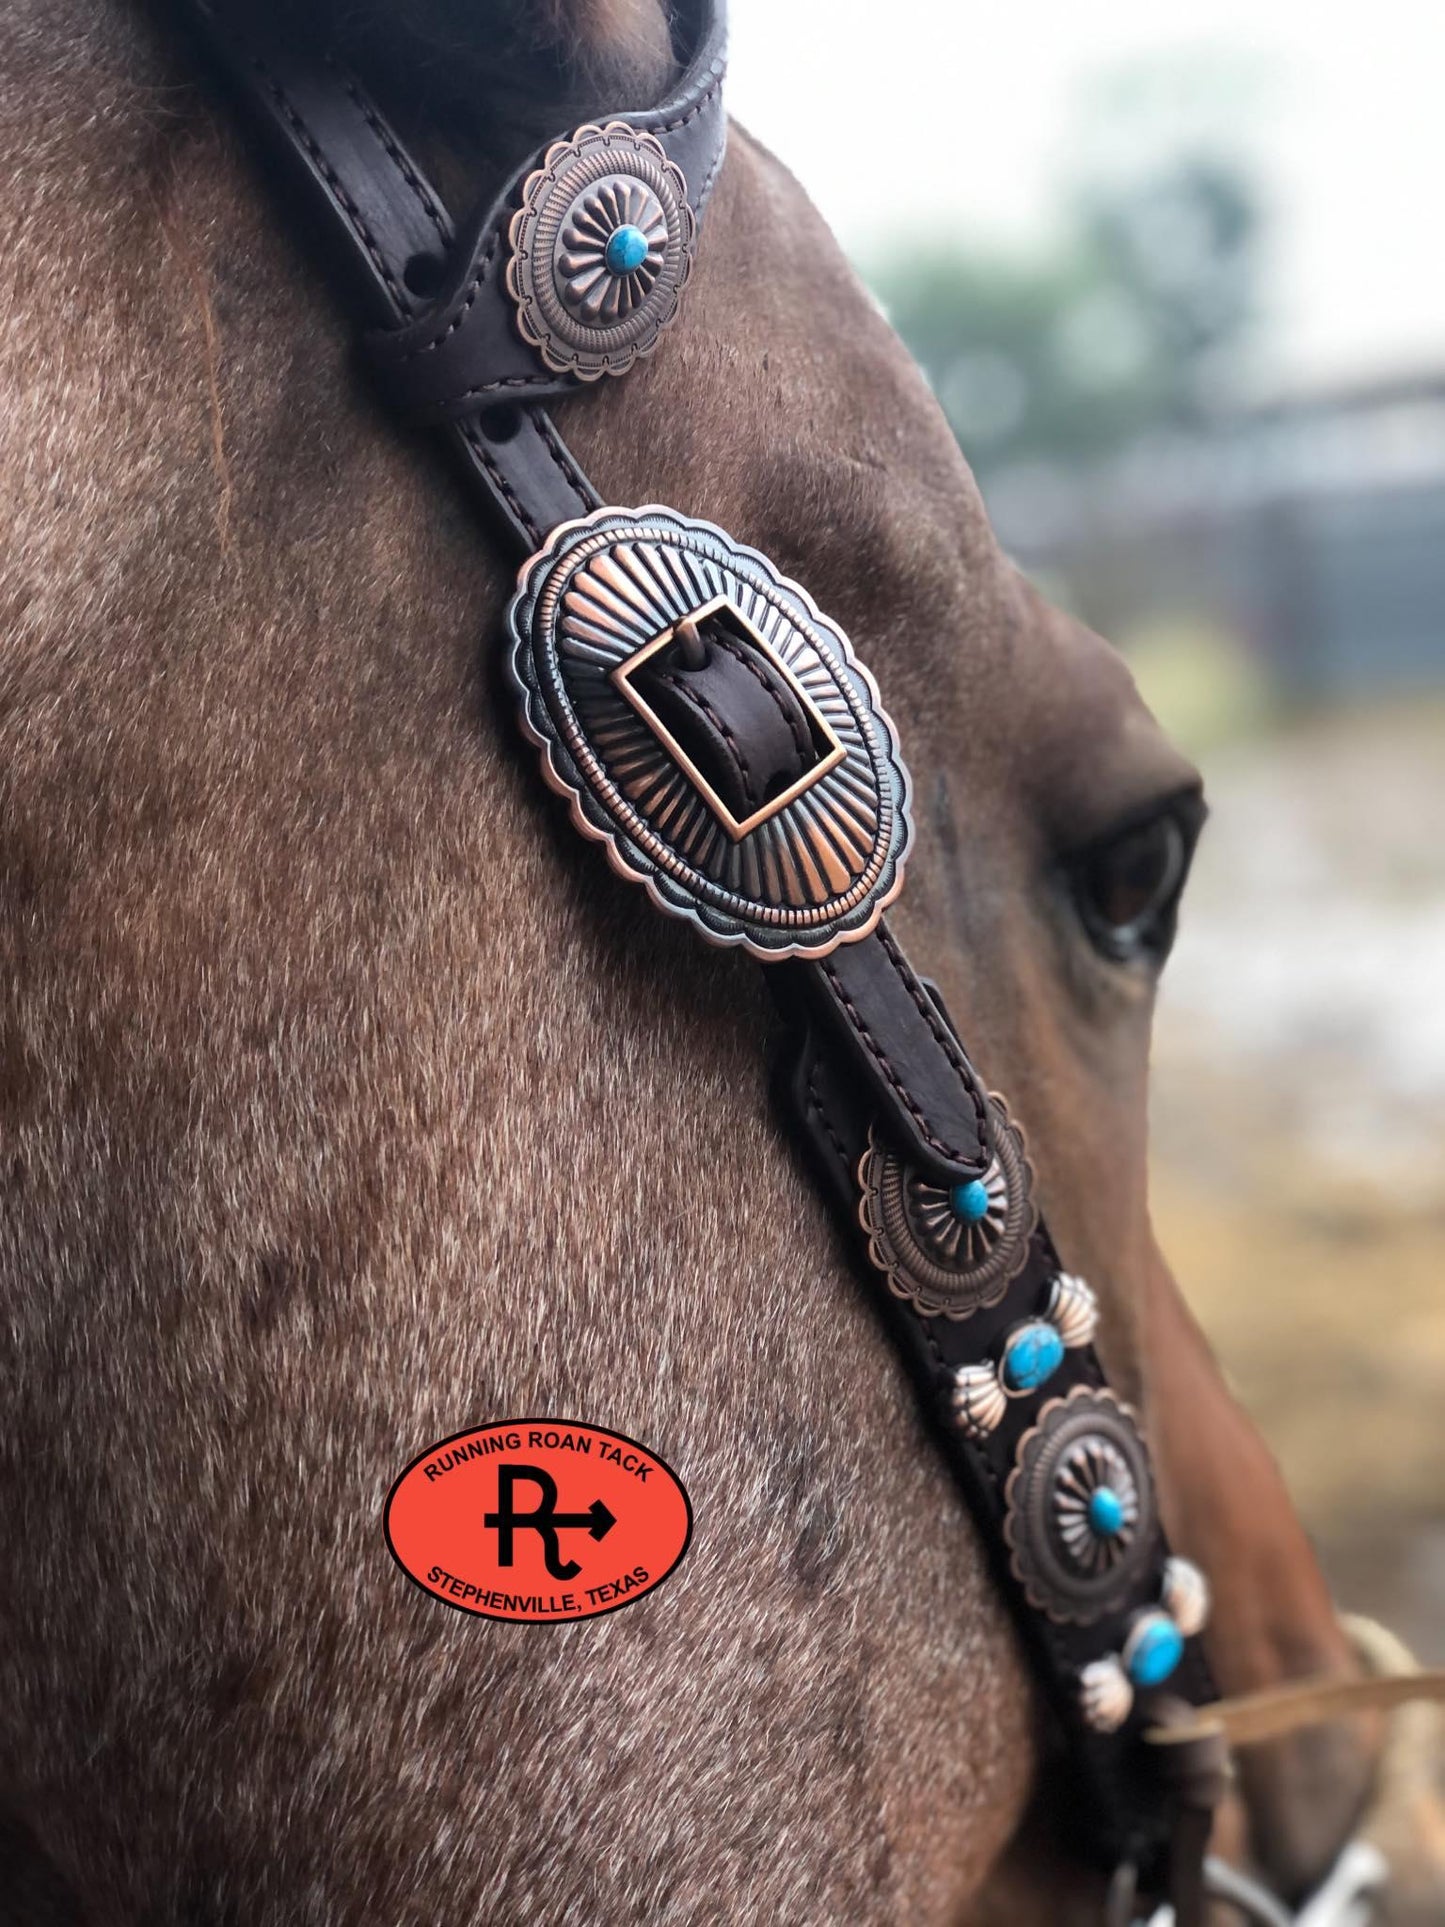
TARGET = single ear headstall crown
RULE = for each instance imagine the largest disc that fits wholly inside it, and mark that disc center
(714, 732)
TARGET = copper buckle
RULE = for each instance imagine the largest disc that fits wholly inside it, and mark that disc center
(686, 629)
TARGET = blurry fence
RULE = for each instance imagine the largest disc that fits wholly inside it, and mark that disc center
(1314, 532)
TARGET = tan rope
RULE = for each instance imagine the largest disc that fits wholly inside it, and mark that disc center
(1404, 1822)
(1254, 1717)
(1405, 1818)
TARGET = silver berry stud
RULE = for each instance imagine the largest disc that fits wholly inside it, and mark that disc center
(1185, 1596)
(1105, 1695)
(1074, 1309)
(979, 1400)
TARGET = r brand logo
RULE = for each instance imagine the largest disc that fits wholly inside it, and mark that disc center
(546, 1521)
(538, 1519)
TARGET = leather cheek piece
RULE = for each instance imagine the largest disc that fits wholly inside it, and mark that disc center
(899, 1047)
(1120, 1798)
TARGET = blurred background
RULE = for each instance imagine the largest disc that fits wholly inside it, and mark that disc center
(1179, 287)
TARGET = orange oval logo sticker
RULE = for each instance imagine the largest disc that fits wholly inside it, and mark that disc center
(537, 1520)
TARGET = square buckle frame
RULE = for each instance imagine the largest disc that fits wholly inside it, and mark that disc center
(822, 732)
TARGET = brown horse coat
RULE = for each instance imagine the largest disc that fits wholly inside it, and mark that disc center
(345, 1100)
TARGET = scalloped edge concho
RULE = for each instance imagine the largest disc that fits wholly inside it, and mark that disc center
(942, 1282)
(818, 872)
(1052, 1583)
(567, 342)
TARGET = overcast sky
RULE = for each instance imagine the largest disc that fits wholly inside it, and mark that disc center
(915, 114)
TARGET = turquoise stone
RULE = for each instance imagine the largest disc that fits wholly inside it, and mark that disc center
(1032, 1356)
(1106, 1512)
(1154, 1649)
(626, 249)
(970, 1201)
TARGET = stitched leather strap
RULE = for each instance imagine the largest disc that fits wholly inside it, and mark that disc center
(743, 727)
(868, 995)
(1123, 1812)
(733, 716)
(375, 212)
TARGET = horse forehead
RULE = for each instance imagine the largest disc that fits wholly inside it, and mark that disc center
(831, 452)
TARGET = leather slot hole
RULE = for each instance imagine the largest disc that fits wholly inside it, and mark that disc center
(423, 275)
(501, 423)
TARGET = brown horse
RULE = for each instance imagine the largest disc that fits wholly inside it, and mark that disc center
(345, 1102)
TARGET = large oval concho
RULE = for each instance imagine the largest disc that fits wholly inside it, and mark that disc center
(949, 1252)
(1082, 1523)
(816, 865)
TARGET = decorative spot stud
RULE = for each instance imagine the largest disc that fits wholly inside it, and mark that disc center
(1074, 1309)
(600, 250)
(1032, 1353)
(1153, 1649)
(1106, 1698)
(949, 1250)
(1185, 1596)
(979, 1401)
(1068, 1568)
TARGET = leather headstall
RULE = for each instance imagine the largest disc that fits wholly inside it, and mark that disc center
(713, 730)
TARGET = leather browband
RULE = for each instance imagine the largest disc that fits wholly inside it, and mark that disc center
(905, 1138)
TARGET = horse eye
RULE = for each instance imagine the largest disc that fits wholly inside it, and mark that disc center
(1128, 887)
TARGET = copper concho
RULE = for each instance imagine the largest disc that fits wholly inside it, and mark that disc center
(943, 1264)
(814, 870)
(584, 315)
(1068, 1568)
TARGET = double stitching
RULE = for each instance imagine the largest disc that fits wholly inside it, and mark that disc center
(681, 120)
(905, 1097)
(942, 1036)
(470, 293)
(815, 1105)
(880, 1057)
(800, 741)
(478, 447)
(334, 184)
(561, 455)
(712, 173)
(706, 710)
(399, 159)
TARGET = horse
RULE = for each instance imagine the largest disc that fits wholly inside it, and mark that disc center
(346, 1102)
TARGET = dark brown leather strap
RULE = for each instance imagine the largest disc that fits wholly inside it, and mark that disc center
(743, 728)
(733, 715)
(376, 213)
(902, 1052)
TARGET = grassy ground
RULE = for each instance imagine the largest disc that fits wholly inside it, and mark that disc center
(1299, 1131)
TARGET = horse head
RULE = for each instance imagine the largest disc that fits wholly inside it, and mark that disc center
(346, 1100)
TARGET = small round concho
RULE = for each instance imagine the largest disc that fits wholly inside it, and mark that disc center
(601, 247)
(598, 611)
(948, 1252)
(1081, 1523)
